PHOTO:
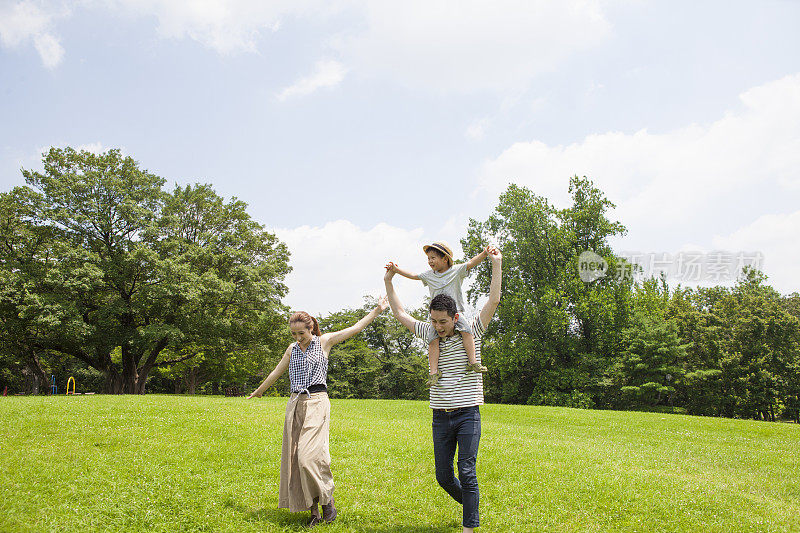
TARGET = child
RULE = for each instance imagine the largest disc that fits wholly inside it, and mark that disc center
(443, 277)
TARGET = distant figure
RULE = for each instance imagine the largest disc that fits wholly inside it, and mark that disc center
(306, 478)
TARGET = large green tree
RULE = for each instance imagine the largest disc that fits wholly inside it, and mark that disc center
(130, 269)
(384, 361)
(554, 333)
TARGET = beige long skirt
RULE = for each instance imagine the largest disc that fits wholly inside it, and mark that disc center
(305, 458)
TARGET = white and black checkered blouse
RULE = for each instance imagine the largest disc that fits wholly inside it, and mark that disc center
(309, 367)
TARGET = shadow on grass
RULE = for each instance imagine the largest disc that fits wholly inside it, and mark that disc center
(408, 528)
(280, 517)
(298, 521)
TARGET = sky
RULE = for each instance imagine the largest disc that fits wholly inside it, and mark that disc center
(358, 130)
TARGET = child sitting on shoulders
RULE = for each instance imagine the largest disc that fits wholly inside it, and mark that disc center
(444, 278)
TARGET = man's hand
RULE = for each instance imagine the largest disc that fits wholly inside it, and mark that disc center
(383, 303)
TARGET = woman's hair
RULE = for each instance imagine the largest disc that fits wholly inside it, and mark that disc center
(309, 321)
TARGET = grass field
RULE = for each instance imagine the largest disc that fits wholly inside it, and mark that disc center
(176, 463)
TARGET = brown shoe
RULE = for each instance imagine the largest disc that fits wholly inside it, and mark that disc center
(315, 518)
(329, 511)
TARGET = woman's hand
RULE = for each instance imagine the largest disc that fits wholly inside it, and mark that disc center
(494, 253)
(254, 394)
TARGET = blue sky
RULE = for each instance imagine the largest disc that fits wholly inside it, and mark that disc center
(358, 130)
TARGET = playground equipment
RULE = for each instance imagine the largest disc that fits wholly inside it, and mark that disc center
(73, 385)
(53, 386)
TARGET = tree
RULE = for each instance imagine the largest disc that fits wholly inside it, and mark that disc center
(653, 359)
(555, 334)
(142, 270)
(385, 361)
(744, 347)
(39, 272)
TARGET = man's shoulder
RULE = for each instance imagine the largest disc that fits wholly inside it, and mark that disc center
(420, 328)
(477, 326)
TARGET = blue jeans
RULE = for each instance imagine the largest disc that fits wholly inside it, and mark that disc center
(461, 428)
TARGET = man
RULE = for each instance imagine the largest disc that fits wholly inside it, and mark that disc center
(457, 395)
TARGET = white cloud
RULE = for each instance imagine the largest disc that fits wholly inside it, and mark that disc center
(463, 46)
(326, 74)
(471, 45)
(477, 130)
(775, 236)
(29, 21)
(337, 264)
(50, 50)
(681, 182)
(95, 148)
(226, 26)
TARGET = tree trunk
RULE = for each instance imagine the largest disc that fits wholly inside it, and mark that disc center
(113, 382)
(141, 381)
(36, 371)
(191, 379)
(149, 364)
(130, 373)
(215, 388)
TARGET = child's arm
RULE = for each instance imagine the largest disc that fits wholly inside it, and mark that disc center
(397, 270)
(472, 263)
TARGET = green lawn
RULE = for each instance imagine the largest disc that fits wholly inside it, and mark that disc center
(175, 463)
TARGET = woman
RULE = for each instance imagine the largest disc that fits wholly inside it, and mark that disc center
(306, 478)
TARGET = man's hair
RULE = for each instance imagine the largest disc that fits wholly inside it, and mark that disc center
(443, 302)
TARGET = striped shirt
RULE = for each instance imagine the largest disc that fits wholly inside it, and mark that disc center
(308, 367)
(456, 388)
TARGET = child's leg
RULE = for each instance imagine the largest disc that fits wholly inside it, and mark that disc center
(433, 356)
(433, 363)
(469, 347)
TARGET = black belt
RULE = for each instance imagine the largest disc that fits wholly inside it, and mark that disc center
(317, 387)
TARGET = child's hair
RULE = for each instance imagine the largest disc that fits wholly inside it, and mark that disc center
(443, 302)
(440, 254)
(309, 321)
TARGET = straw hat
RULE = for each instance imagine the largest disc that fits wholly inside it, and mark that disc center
(440, 246)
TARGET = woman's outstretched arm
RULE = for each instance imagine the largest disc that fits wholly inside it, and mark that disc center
(329, 340)
(280, 368)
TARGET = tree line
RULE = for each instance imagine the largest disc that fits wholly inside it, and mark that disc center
(107, 276)
(619, 343)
